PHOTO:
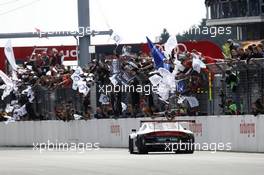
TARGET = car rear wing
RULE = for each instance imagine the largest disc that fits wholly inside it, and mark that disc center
(184, 123)
(167, 121)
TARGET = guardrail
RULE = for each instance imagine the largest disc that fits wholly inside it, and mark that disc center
(244, 133)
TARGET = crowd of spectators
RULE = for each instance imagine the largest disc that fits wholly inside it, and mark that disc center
(46, 71)
(233, 104)
(136, 69)
(240, 53)
(41, 71)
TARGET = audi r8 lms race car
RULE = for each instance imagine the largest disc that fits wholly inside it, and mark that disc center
(161, 136)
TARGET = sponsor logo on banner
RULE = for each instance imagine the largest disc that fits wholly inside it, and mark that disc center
(196, 128)
(115, 129)
(70, 53)
(248, 128)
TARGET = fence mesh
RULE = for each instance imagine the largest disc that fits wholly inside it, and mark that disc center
(237, 82)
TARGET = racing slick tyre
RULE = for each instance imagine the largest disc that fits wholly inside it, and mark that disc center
(191, 150)
(192, 147)
(141, 147)
(187, 150)
(130, 146)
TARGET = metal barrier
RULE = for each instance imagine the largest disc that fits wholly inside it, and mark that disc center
(46, 101)
(249, 85)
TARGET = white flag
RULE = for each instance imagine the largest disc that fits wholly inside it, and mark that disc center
(197, 64)
(8, 86)
(9, 108)
(77, 117)
(170, 44)
(193, 102)
(78, 71)
(116, 38)
(166, 83)
(83, 88)
(104, 99)
(10, 55)
(19, 112)
(5, 78)
(124, 106)
(113, 80)
(155, 80)
(9, 120)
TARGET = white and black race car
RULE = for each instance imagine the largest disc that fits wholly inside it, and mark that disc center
(161, 136)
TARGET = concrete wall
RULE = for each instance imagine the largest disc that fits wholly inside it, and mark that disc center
(244, 133)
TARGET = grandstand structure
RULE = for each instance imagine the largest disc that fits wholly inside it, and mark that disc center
(245, 16)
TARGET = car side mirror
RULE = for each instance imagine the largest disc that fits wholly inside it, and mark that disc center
(134, 130)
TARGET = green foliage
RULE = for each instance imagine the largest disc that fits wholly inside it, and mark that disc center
(226, 50)
(164, 36)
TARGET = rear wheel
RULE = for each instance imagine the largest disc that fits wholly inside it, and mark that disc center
(141, 147)
(130, 146)
(191, 150)
(187, 148)
(192, 147)
(142, 151)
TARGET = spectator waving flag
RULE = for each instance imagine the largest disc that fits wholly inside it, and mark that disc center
(116, 38)
(10, 55)
(156, 54)
(8, 85)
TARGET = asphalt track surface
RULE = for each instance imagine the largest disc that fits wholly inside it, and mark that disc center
(25, 161)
